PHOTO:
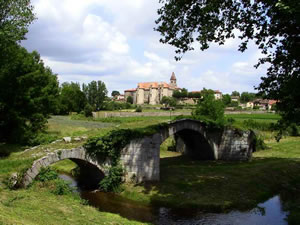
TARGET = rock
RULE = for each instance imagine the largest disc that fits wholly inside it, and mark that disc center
(84, 137)
(67, 139)
(13, 180)
(77, 139)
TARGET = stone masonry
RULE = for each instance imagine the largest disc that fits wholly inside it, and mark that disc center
(141, 157)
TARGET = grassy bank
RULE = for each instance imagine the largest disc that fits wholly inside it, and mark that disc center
(209, 185)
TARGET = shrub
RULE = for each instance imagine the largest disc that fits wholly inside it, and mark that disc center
(259, 143)
(46, 174)
(61, 187)
(210, 108)
(139, 109)
(113, 180)
(88, 110)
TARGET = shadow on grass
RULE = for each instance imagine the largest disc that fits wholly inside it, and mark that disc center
(219, 186)
(7, 149)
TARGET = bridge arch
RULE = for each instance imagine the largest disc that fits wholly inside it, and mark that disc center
(92, 171)
(191, 139)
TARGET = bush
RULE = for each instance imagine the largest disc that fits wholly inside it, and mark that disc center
(293, 130)
(61, 187)
(139, 109)
(259, 143)
(88, 110)
(113, 180)
(211, 108)
(46, 174)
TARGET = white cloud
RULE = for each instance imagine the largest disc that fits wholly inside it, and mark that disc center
(114, 41)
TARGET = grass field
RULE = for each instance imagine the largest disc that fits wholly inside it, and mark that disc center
(210, 185)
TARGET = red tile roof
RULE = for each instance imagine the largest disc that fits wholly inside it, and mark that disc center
(130, 90)
(148, 85)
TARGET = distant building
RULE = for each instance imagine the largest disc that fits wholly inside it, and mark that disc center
(218, 94)
(152, 92)
(235, 98)
(264, 104)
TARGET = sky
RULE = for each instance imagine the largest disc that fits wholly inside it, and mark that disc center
(114, 41)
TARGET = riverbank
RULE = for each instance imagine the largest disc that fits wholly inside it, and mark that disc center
(208, 185)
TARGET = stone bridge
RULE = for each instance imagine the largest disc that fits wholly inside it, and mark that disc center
(141, 157)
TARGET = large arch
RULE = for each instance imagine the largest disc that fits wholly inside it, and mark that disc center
(92, 171)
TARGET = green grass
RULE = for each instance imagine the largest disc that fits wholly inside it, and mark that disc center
(210, 185)
(37, 205)
(219, 185)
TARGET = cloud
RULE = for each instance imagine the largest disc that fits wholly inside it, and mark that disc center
(114, 41)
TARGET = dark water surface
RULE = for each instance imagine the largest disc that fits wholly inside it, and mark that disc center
(267, 213)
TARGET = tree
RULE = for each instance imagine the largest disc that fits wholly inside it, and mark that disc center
(247, 97)
(235, 93)
(72, 99)
(15, 17)
(274, 26)
(168, 101)
(115, 93)
(129, 99)
(28, 94)
(183, 93)
(209, 107)
(226, 99)
(96, 94)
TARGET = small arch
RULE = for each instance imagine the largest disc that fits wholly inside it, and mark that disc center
(92, 172)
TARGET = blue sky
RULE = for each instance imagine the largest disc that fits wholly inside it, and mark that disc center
(114, 41)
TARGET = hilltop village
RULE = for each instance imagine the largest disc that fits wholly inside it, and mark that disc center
(152, 93)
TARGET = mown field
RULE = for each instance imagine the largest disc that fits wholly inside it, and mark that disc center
(210, 185)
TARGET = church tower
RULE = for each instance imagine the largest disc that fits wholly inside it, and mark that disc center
(173, 80)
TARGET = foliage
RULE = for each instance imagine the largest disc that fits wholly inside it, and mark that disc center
(272, 25)
(194, 95)
(235, 93)
(88, 110)
(129, 99)
(247, 97)
(259, 143)
(139, 108)
(61, 187)
(112, 181)
(15, 17)
(112, 105)
(115, 93)
(28, 94)
(168, 101)
(209, 107)
(183, 93)
(71, 98)
(95, 93)
(226, 99)
(46, 174)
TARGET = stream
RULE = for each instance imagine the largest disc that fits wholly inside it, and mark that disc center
(267, 213)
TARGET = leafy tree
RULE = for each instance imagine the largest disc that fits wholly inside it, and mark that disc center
(194, 95)
(168, 101)
(272, 25)
(209, 107)
(96, 94)
(129, 99)
(183, 93)
(72, 99)
(247, 97)
(115, 93)
(28, 94)
(15, 17)
(235, 93)
(88, 110)
(226, 99)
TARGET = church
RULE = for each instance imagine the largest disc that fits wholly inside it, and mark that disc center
(152, 92)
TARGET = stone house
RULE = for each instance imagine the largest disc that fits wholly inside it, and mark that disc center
(152, 92)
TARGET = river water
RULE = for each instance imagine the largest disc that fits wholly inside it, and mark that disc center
(266, 213)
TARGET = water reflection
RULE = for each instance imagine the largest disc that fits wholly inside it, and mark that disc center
(267, 213)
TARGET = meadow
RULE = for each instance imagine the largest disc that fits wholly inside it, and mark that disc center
(209, 185)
